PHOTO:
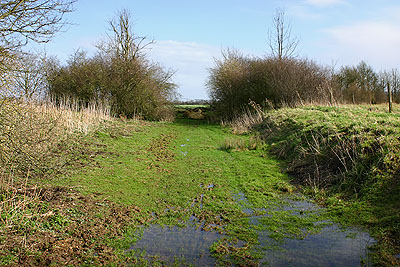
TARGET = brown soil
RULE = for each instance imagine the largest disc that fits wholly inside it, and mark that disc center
(159, 148)
(82, 239)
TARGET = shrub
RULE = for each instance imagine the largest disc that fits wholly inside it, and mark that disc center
(360, 84)
(236, 80)
(34, 137)
(120, 74)
(37, 140)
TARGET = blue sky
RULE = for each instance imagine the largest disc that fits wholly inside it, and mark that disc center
(189, 34)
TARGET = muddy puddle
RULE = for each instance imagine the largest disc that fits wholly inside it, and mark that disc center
(331, 246)
(169, 245)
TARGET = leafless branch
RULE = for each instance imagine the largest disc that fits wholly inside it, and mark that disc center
(280, 39)
(122, 40)
(22, 21)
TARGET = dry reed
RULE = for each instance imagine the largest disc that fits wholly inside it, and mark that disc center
(74, 117)
(251, 116)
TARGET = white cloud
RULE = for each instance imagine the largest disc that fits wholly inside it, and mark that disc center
(310, 9)
(324, 2)
(303, 12)
(190, 60)
(376, 42)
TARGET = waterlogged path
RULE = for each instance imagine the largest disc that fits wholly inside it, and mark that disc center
(209, 198)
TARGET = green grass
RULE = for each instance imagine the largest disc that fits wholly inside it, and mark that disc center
(174, 170)
(348, 158)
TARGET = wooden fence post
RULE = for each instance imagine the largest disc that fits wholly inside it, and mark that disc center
(390, 97)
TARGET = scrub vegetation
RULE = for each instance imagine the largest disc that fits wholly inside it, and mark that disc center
(272, 83)
(119, 74)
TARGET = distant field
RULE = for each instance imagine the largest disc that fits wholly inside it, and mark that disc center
(193, 111)
(192, 106)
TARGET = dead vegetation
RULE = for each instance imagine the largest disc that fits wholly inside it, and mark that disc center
(35, 139)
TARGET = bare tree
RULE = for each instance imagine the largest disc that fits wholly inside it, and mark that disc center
(29, 80)
(280, 39)
(22, 21)
(392, 77)
(123, 43)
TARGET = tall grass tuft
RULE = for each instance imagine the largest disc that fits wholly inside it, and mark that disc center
(75, 117)
(252, 115)
(34, 135)
(239, 144)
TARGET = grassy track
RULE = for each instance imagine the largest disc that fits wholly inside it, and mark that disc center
(171, 171)
(145, 173)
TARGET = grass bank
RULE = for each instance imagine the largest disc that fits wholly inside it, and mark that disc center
(348, 159)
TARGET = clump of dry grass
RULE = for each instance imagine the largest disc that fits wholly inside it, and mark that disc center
(251, 116)
(33, 134)
(239, 144)
(74, 117)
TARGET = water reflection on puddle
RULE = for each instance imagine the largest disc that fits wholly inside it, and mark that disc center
(330, 247)
(168, 243)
